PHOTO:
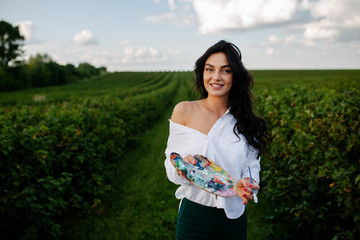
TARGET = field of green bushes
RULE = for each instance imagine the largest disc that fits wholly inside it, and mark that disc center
(85, 160)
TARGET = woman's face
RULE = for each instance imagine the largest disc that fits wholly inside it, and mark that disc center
(218, 75)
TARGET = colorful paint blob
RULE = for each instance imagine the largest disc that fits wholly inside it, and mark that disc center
(205, 175)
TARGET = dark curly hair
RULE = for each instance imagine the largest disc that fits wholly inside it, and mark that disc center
(241, 99)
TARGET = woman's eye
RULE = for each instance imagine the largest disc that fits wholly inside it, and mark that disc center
(227, 71)
(209, 69)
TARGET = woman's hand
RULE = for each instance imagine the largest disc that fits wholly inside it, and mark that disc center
(189, 159)
(244, 189)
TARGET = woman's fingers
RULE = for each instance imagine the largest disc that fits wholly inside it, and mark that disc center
(189, 159)
(243, 193)
(245, 189)
(246, 182)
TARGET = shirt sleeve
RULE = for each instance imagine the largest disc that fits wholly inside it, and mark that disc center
(173, 145)
(254, 163)
(172, 174)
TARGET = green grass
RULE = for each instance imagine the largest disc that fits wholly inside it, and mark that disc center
(280, 79)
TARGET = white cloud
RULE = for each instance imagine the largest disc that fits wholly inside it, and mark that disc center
(85, 37)
(320, 31)
(272, 51)
(333, 20)
(273, 39)
(180, 14)
(94, 57)
(215, 16)
(325, 8)
(320, 20)
(274, 43)
(315, 23)
(172, 4)
(26, 29)
(129, 57)
(144, 54)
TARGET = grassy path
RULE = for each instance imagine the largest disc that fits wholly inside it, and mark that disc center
(141, 209)
(143, 205)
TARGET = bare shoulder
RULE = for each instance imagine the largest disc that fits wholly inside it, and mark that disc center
(183, 111)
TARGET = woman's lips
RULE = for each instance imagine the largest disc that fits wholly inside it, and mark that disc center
(216, 86)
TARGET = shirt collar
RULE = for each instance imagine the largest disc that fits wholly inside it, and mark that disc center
(227, 111)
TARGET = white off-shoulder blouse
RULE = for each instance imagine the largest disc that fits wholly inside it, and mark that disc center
(223, 147)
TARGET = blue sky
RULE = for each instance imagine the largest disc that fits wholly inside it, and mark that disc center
(153, 35)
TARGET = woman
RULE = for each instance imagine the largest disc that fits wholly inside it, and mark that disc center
(222, 127)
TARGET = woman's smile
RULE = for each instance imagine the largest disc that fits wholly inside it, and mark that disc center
(216, 86)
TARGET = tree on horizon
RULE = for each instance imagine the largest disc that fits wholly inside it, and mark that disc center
(11, 42)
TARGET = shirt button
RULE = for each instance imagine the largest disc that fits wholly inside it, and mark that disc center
(207, 137)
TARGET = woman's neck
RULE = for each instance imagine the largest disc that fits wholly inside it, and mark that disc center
(216, 105)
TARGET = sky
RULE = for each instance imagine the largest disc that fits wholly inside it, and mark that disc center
(170, 35)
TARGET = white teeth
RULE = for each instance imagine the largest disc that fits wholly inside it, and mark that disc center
(216, 85)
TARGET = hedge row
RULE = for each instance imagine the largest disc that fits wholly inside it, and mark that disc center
(61, 161)
(114, 85)
(311, 171)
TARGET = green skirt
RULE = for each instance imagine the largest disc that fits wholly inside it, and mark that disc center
(196, 221)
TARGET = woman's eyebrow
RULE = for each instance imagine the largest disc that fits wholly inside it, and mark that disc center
(210, 65)
(226, 66)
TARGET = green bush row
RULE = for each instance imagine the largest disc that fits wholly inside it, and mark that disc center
(311, 172)
(60, 162)
(118, 85)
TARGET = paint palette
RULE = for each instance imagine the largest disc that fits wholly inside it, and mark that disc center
(205, 175)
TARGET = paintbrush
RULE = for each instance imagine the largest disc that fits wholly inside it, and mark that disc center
(254, 192)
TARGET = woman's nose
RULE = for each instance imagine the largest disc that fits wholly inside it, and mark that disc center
(216, 75)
